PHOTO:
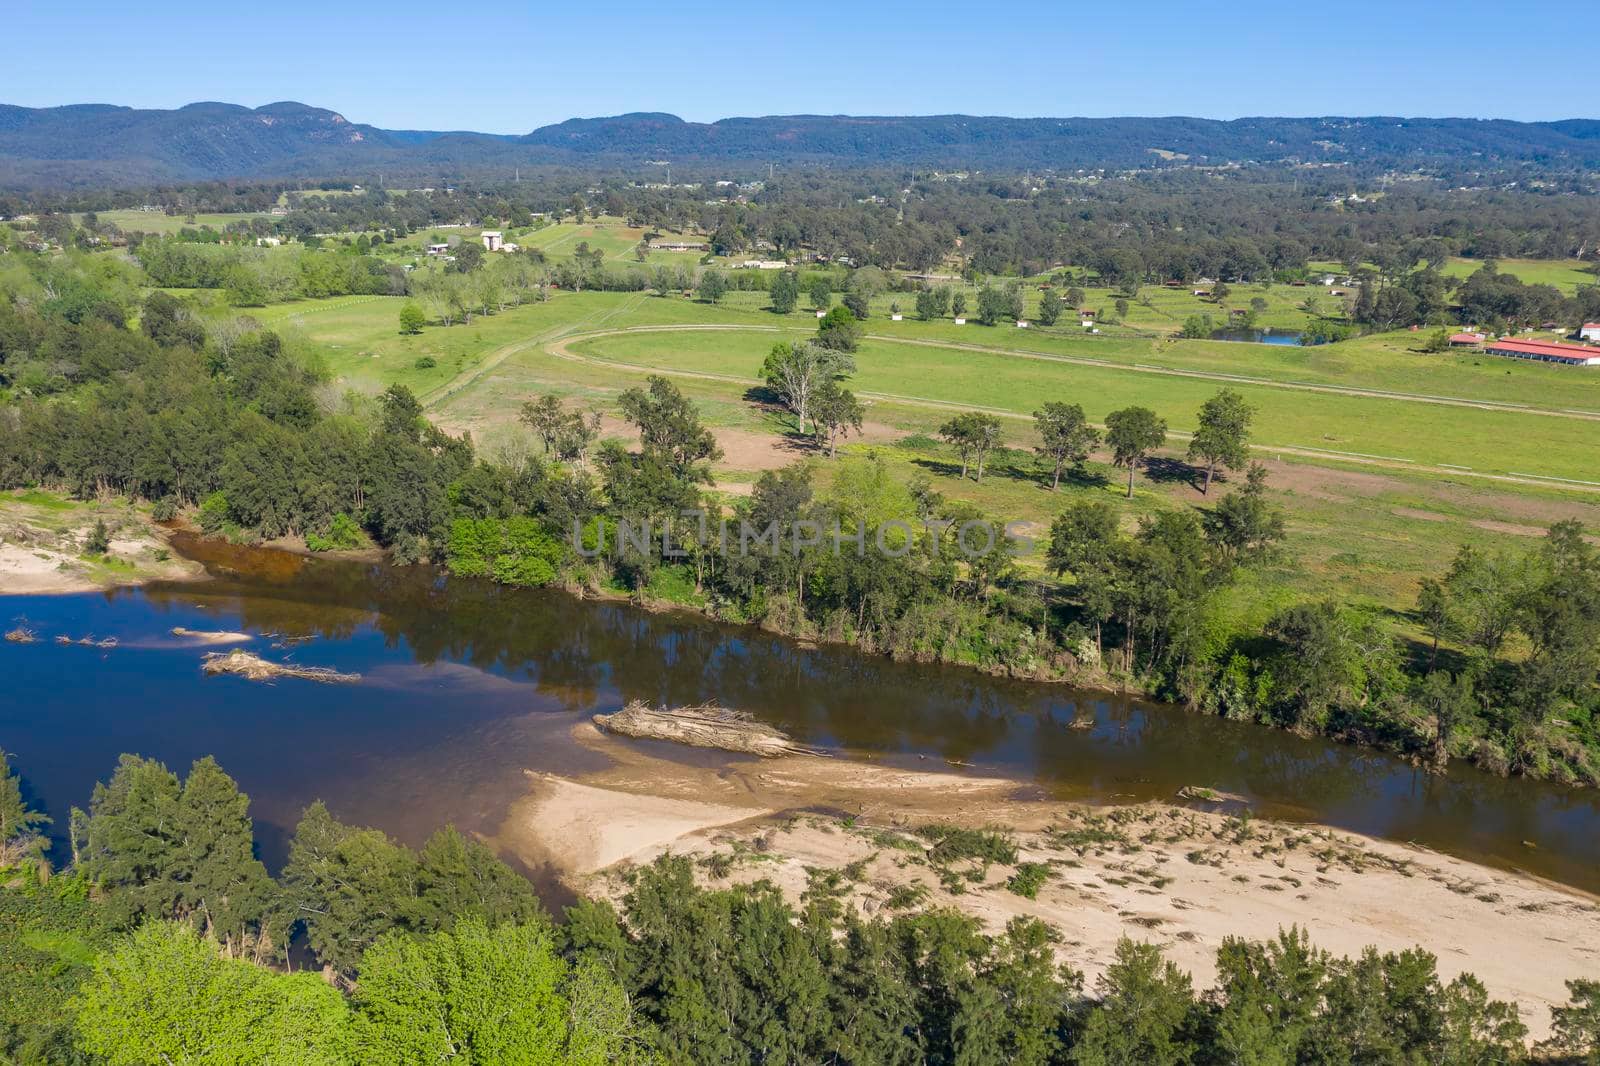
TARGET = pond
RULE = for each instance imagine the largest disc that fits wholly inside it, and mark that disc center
(465, 684)
(1263, 336)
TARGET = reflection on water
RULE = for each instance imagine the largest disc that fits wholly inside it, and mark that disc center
(466, 683)
(1289, 337)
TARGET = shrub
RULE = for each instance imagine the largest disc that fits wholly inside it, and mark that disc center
(425, 362)
(165, 509)
(213, 513)
(99, 541)
(1029, 879)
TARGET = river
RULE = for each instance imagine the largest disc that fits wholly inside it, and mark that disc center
(465, 684)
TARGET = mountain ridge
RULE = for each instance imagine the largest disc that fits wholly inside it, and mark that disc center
(207, 140)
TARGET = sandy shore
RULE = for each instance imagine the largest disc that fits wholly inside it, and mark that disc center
(1182, 878)
(41, 548)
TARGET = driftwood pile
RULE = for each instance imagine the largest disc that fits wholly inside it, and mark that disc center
(87, 642)
(705, 726)
(21, 635)
(255, 668)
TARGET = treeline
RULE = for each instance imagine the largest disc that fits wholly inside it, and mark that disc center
(165, 942)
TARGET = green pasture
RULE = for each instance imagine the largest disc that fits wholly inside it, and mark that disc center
(1368, 426)
(131, 221)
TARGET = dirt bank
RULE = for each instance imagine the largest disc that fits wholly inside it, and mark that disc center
(1184, 878)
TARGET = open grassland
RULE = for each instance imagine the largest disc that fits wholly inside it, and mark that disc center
(133, 221)
(1564, 274)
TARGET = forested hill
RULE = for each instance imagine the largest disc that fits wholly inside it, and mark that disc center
(100, 144)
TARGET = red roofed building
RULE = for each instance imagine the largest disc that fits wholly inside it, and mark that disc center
(1465, 340)
(1545, 352)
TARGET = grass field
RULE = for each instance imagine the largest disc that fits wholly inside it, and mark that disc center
(1564, 274)
(131, 221)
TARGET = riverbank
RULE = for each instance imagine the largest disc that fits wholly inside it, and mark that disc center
(1184, 877)
(44, 539)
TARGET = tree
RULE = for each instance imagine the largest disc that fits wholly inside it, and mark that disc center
(545, 416)
(713, 286)
(821, 291)
(1197, 327)
(165, 850)
(836, 412)
(996, 305)
(1327, 656)
(958, 305)
(19, 823)
(1575, 1027)
(839, 330)
(856, 301)
(932, 303)
(1086, 542)
(973, 435)
(1066, 437)
(797, 372)
(164, 995)
(669, 426)
(1143, 1015)
(412, 317)
(1223, 434)
(1049, 309)
(785, 292)
(1244, 523)
(1133, 433)
(478, 994)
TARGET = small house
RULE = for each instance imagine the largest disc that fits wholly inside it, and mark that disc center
(1465, 340)
(896, 317)
(1202, 292)
(1086, 313)
(1590, 331)
(438, 249)
(1022, 323)
(493, 240)
(961, 321)
(821, 313)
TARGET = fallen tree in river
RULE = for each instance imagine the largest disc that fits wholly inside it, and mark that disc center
(705, 726)
(255, 668)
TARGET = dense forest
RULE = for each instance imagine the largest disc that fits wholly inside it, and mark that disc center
(106, 144)
(166, 941)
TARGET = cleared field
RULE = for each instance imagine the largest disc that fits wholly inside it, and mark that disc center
(1368, 426)
(1564, 274)
(131, 221)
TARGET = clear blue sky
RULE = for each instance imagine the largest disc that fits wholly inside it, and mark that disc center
(505, 67)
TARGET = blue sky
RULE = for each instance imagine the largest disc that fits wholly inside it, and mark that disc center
(509, 67)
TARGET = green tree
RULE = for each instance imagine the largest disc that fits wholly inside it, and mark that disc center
(164, 995)
(1244, 523)
(1575, 1027)
(1197, 327)
(479, 994)
(785, 292)
(835, 412)
(412, 317)
(1065, 437)
(1132, 434)
(165, 850)
(820, 291)
(1049, 308)
(958, 305)
(1144, 1014)
(839, 330)
(669, 426)
(974, 435)
(1222, 437)
(19, 823)
(99, 540)
(713, 286)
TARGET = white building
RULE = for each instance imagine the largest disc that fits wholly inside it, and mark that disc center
(493, 240)
(438, 249)
(1590, 331)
